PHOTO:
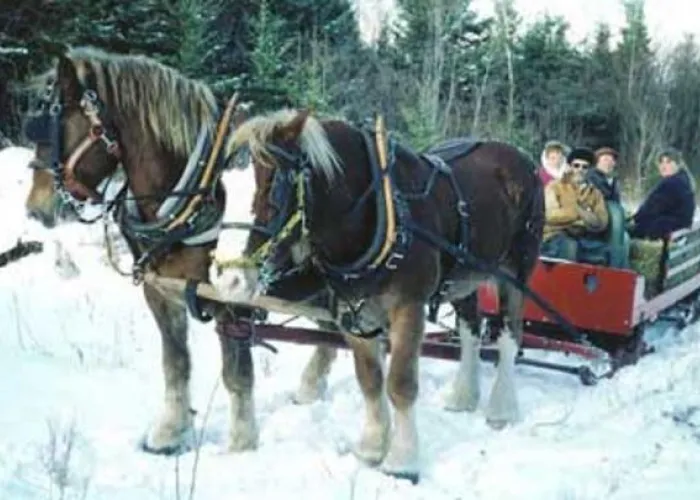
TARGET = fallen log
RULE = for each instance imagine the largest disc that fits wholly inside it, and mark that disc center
(175, 289)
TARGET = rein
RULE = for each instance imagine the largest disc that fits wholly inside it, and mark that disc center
(260, 257)
(397, 237)
(183, 222)
(391, 234)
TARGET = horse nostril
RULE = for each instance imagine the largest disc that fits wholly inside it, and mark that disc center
(235, 281)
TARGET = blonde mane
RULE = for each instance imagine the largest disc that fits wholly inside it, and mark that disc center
(313, 141)
(164, 102)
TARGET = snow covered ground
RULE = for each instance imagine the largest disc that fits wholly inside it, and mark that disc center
(80, 381)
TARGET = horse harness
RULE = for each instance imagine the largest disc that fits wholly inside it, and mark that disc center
(291, 190)
(395, 228)
(189, 215)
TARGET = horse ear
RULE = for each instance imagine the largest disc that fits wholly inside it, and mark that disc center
(293, 129)
(67, 79)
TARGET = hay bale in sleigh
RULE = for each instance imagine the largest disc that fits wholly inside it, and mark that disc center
(646, 259)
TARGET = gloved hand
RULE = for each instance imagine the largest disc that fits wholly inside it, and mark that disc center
(587, 216)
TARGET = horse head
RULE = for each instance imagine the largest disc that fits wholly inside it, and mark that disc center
(76, 146)
(287, 149)
(100, 113)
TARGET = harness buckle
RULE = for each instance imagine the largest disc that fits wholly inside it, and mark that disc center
(90, 96)
(392, 261)
(462, 208)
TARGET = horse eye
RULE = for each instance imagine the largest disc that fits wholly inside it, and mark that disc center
(242, 159)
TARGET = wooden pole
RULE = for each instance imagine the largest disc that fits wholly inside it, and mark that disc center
(175, 289)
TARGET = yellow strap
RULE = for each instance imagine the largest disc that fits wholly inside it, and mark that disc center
(263, 251)
(209, 170)
(390, 236)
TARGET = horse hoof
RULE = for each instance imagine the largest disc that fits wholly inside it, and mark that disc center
(497, 424)
(459, 405)
(243, 441)
(460, 408)
(168, 451)
(304, 399)
(309, 393)
(370, 458)
(412, 476)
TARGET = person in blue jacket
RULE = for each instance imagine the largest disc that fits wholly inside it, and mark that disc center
(670, 205)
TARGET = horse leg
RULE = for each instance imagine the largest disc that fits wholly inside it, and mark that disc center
(168, 435)
(314, 379)
(407, 324)
(464, 393)
(374, 440)
(503, 404)
(237, 372)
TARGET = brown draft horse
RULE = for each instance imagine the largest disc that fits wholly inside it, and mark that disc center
(313, 179)
(103, 115)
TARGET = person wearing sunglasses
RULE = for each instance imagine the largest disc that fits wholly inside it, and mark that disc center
(574, 209)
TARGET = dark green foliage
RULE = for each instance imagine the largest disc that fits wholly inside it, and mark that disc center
(442, 70)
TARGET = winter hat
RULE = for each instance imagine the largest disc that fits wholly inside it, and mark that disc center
(672, 154)
(606, 151)
(584, 154)
(556, 145)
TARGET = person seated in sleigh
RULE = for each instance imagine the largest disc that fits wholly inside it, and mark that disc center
(553, 161)
(602, 174)
(574, 209)
(670, 205)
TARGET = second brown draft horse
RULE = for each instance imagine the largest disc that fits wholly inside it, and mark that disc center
(446, 229)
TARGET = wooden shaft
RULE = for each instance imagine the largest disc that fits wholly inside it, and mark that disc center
(175, 289)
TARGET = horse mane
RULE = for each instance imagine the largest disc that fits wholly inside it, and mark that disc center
(167, 104)
(313, 140)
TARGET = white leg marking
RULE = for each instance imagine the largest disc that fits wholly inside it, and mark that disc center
(244, 428)
(464, 393)
(314, 380)
(175, 422)
(503, 404)
(374, 441)
(404, 452)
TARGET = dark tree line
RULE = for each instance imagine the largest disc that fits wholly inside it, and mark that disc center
(440, 71)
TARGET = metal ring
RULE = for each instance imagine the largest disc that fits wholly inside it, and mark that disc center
(90, 95)
(55, 109)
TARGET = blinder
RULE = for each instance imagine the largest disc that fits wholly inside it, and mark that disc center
(281, 198)
(241, 159)
(44, 127)
(38, 127)
(288, 192)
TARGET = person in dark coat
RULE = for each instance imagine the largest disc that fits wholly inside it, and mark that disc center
(602, 175)
(670, 205)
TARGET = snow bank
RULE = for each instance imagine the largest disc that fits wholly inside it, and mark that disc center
(81, 382)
